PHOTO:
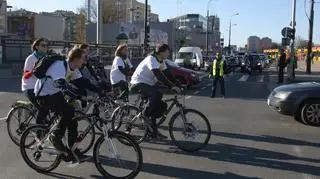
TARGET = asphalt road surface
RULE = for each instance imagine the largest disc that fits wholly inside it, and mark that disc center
(249, 140)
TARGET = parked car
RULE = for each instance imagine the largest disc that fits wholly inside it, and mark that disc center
(190, 57)
(186, 76)
(301, 100)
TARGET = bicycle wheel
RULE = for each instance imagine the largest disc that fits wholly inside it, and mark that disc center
(19, 119)
(123, 114)
(190, 131)
(134, 125)
(36, 139)
(130, 167)
(88, 141)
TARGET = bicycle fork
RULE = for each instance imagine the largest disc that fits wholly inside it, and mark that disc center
(110, 145)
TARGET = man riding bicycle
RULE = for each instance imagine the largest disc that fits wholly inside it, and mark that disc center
(50, 92)
(151, 70)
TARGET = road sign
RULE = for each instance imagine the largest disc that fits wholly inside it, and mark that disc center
(288, 32)
(285, 41)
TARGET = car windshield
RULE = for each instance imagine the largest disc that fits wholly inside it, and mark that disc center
(185, 55)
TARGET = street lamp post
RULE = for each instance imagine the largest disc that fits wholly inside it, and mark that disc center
(207, 35)
(229, 45)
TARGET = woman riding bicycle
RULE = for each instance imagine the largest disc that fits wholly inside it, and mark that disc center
(121, 69)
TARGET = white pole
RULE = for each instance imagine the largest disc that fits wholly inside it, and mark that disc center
(291, 69)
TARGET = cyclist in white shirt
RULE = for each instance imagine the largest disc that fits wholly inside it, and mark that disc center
(39, 48)
(51, 92)
(151, 70)
(121, 69)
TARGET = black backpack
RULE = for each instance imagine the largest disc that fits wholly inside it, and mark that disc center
(43, 64)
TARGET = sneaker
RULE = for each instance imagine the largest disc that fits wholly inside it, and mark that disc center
(57, 143)
(80, 156)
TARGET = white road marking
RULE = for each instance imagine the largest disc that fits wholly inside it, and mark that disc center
(297, 150)
(3, 118)
(244, 78)
(188, 97)
(297, 75)
(197, 92)
(260, 78)
(73, 165)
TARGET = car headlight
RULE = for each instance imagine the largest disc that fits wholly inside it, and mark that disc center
(282, 95)
(193, 75)
(259, 63)
(242, 63)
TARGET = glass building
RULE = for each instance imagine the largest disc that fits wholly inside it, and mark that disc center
(195, 22)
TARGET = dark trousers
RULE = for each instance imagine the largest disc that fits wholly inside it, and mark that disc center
(58, 104)
(31, 97)
(123, 86)
(280, 75)
(150, 92)
(215, 80)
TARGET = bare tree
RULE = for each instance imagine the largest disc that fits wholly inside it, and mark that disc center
(81, 26)
(112, 11)
(301, 43)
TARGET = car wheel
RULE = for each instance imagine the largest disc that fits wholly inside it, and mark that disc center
(310, 113)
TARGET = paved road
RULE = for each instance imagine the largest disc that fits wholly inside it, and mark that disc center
(249, 140)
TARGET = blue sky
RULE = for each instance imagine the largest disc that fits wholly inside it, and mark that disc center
(264, 18)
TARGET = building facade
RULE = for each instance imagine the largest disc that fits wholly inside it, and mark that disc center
(194, 22)
(253, 44)
(133, 11)
(266, 43)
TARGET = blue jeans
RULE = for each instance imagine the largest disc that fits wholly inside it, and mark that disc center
(215, 80)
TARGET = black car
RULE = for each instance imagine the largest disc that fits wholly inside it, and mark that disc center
(301, 100)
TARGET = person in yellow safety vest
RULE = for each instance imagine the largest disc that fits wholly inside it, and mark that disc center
(217, 71)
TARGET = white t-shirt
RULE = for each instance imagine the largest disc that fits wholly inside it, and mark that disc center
(28, 83)
(115, 74)
(56, 71)
(143, 73)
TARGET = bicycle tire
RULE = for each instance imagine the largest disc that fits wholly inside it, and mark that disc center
(10, 118)
(131, 142)
(26, 158)
(92, 140)
(115, 113)
(208, 132)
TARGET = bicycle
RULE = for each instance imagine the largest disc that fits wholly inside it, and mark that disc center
(188, 129)
(42, 145)
(26, 113)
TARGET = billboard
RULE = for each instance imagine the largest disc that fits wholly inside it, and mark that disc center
(135, 34)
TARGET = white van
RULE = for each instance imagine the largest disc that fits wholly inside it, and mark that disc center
(189, 57)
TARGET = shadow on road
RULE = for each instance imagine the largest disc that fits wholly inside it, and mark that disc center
(250, 156)
(61, 176)
(268, 139)
(177, 172)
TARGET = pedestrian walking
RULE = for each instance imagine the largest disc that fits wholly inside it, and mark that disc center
(281, 65)
(217, 72)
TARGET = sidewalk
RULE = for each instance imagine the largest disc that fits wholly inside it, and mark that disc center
(315, 66)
